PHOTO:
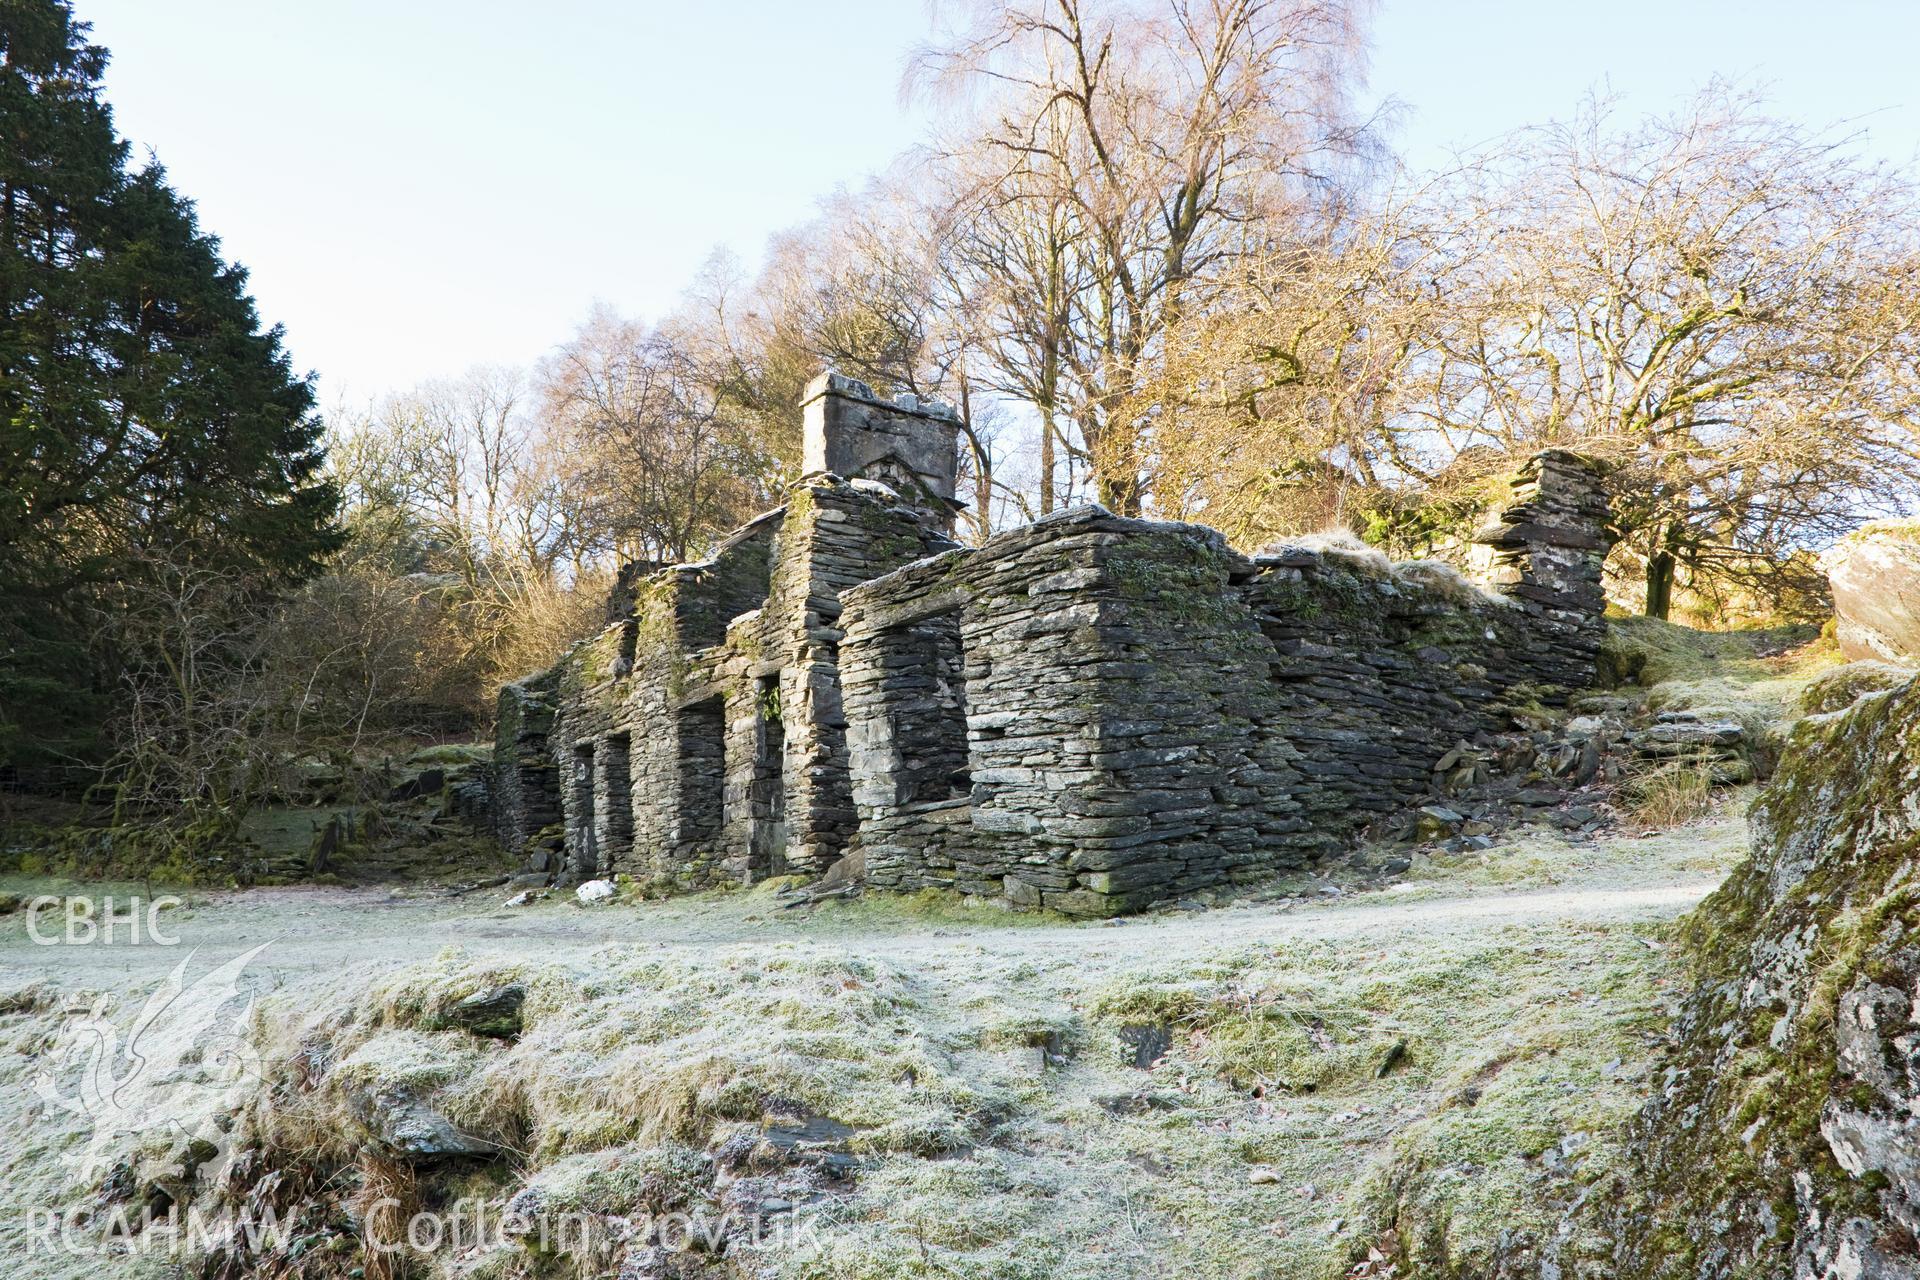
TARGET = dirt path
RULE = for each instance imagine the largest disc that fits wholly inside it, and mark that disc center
(318, 930)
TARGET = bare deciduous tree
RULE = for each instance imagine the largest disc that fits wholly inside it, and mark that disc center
(649, 428)
(1281, 402)
(1721, 305)
(194, 744)
(1150, 145)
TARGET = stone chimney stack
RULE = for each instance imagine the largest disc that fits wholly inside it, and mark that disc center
(905, 443)
(1545, 551)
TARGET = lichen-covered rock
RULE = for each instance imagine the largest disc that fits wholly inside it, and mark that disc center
(495, 1012)
(1875, 578)
(1782, 1141)
(1841, 687)
(390, 1087)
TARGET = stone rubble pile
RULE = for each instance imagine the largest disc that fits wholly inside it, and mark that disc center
(1560, 776)
(1716, 744)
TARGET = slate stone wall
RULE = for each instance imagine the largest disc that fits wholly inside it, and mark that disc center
(526, 789)
(1121, 729)
(591, 729)
(1090, 713)
(1150, 713)
(700, 738)
(682, 615)
(1544, 551)
(1381, 669)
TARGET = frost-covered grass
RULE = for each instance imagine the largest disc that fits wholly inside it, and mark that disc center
(1342, 548)
(1760, 679)
(1760, 667)
(1434, 1070)
(982, 1064)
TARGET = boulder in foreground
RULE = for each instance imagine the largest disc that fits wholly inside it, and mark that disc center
(1783, 1141)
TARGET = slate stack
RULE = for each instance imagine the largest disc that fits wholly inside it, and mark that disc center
(1547, 549)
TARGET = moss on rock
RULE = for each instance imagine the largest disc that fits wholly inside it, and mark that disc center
(1778, 1143)
(1841, 687)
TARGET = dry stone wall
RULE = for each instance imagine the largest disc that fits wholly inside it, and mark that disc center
(1091, 714)
(700, 738)
(526, 789)
(1383, 667)
(1543, 551)
(1121, 727)
(1149, 713)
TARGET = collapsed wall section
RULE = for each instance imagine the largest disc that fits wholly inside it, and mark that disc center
(591, 744)
(747, 734)
(682, 614)
(700, 739)
(1147, 713)
(1380, 668)
(1545, 550)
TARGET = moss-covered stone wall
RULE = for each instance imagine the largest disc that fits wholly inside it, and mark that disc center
(1381, 668)
(1090, 713)
(1149, 713)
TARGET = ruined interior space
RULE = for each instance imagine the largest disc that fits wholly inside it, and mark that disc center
(1090, 714)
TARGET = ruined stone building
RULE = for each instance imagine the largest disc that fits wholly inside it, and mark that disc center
(1089, 713)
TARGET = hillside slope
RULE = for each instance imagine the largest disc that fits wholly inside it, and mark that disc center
(1275, 1089)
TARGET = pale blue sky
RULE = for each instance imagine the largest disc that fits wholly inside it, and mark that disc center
(421, 186)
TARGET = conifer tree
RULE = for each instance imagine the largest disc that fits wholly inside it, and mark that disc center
(143, 408)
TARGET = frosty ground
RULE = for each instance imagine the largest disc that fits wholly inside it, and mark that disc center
(1446, 1054)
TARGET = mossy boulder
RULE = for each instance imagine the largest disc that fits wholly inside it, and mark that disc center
(1781, 1141)
(1875, 578)
(1840, 688)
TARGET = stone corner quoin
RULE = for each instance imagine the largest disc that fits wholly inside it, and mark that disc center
(1091, 713)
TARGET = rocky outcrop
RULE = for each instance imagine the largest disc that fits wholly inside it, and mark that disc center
(1783, 1139)
(1840, 688)
(1875, 578)
(411, 1128)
